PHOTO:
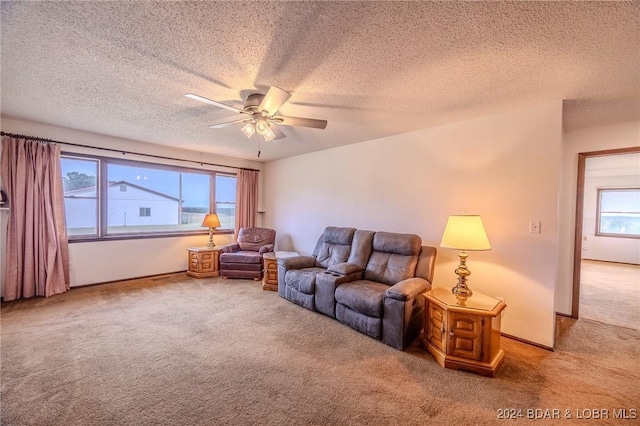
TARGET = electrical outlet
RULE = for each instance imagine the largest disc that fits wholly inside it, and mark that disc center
(534, 227)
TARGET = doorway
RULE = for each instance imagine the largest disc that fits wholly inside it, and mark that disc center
(599, 277)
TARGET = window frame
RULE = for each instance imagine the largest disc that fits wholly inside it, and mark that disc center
(599, 212)
(102, 202)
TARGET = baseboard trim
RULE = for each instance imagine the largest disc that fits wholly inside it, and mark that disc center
(612, 261)
(528, 342)
(127, 279)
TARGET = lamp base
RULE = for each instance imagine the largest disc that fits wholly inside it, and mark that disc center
(211, 244)
(461, 290)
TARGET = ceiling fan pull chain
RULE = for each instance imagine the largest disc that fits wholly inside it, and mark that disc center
(258, 148)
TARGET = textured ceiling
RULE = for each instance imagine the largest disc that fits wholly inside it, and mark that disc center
(372, 69)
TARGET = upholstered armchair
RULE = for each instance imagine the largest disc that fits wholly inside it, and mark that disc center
(243, 259)
(386, 302)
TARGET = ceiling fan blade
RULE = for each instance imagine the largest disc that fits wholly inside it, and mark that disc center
(277, 132)
(302, 122)
(215, 103)
(273, 100)
(228, 121)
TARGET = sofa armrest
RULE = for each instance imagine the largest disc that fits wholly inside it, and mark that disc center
(266, 249)
(297, 262)
(326, 284)
(345, 268)
(230, 248)
(407, 289)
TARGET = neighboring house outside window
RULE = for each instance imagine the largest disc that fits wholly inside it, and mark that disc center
(106, 197)
(618, 212)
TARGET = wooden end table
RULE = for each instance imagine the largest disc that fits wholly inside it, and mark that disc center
(203, 262)
(463, 336)
(270, 260)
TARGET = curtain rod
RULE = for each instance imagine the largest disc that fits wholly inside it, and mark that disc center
(35, 138)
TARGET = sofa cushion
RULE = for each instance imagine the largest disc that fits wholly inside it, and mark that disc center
(331, 254)
(404, 244)
(302, 280)
(362, 296)
(337, 235)
(394, 257)
(303, 299)
(365, 324)
(390, 268)
(334, 246)
(241, 257)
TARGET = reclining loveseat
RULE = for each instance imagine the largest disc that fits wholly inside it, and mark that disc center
(370, 281)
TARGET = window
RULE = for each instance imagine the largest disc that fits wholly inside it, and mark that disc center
(79, 177)
(106, 198)
(226, 201)
(618, 212)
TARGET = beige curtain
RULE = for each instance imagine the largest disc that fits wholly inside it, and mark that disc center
(37, 261)
(246, 199)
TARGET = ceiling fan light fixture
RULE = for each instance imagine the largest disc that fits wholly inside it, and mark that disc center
(262, 126)
(269, 135)
(248, 130)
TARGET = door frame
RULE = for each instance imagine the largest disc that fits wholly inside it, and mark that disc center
(577, 245)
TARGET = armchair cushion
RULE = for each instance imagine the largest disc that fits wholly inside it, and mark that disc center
(241, 257)
(253, 239)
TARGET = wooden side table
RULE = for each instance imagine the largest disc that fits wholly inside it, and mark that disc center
(270, 276)
(203, 262)
(463, 336)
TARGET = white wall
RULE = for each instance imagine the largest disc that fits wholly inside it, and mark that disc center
(505, 167)
(95, 262)
(610, 249)
(597, 138)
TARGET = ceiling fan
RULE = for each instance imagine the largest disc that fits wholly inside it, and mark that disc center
(259, 114)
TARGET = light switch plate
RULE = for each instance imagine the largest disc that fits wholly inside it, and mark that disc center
(534, 227)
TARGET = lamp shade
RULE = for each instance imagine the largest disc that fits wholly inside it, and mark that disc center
(465, 232)
(211, 221)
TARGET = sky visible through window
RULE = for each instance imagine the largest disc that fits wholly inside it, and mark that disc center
(195, 185)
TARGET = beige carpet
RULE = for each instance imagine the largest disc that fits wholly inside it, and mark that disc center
(610, 293)
(181, 351)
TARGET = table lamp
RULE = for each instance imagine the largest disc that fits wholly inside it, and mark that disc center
(464, 232)
(211, 221)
